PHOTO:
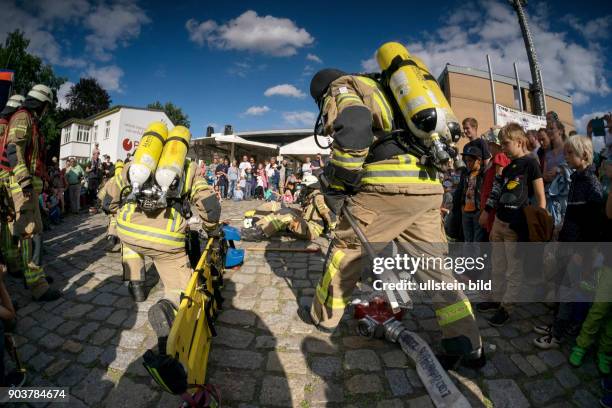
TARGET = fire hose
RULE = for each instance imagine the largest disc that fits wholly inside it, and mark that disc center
(376, 320)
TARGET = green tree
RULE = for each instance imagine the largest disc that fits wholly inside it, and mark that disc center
(175, 113)
(29, 71)
(87, 98)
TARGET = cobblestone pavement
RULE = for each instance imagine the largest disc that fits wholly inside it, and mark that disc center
(93, 338)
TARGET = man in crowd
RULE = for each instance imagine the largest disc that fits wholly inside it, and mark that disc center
(470, 130)
(74, 175)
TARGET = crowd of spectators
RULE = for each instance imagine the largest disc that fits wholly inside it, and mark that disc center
(251, 179)
(73, 188)
(515, 182)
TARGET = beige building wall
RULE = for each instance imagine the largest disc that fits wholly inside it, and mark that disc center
(470, 96)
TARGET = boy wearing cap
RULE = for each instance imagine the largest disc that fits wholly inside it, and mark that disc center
(469, 194)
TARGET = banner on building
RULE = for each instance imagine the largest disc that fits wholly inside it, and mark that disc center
(505, 115)
(6, 81)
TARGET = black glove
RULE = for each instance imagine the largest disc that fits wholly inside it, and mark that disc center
(335, 199)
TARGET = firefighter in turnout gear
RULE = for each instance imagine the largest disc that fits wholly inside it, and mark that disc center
(25, 152)
(150, 226)
(392, 196)
(112, 241)
(311, 222)
(9, 244)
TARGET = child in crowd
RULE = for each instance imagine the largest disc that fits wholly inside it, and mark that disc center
(238, 194)
(261, 183)
(511, 193)
(582, 223)
(495, 167)
(468, 194)
(288, 197)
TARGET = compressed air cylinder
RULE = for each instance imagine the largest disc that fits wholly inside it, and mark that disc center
(172, 159)
(424, 114)
(147, 154)
(452, 123)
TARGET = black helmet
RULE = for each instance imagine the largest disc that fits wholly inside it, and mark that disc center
(321, 80)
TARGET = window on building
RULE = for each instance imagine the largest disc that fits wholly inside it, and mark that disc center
(83, 134)
(107, 130)
(66, 134)
(95, 133)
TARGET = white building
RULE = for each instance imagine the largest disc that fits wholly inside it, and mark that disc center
(117, 131)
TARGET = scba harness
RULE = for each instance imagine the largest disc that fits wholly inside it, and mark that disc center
(151, 198)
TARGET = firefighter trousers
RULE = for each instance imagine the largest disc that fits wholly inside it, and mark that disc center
(415, 221)
(10, 249)
(28, 225)
(173, 268)
(290, 219)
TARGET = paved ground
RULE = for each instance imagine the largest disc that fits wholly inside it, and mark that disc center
(93, 338)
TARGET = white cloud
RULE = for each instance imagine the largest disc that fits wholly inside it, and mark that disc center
(285, 90)
(598, 29)
(37, 30)
(279, 37)
(61, 94)
(108, 76)
(65, 10)
(112, 26)
(370, 65)
(256, 110)
(300, 118)
(308, 71)
(582, 121)
(199, 32)
(312, 57)
(108, 26)
(567, 67)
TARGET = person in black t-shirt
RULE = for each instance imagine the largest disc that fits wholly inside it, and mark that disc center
(519, 182)
(222, 180)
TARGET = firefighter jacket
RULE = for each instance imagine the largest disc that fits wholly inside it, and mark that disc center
(357, 113)
(29, 151)
(316, 211)
(162, 229)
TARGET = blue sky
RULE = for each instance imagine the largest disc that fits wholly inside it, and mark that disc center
(249, 64)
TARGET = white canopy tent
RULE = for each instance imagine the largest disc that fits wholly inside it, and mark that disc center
(305, 147)
(240, 141)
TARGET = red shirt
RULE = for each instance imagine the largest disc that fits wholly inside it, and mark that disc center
(500, 159)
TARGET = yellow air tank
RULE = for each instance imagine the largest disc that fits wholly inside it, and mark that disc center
(424, 114)
(172, 159)
(118, 166)
(451, 120)
(147, 154)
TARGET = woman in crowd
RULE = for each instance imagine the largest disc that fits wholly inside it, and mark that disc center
(233, 177)
(545, 146)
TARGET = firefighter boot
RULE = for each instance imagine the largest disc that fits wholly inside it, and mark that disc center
(161, 317)
(137, 290)
(111, 242)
